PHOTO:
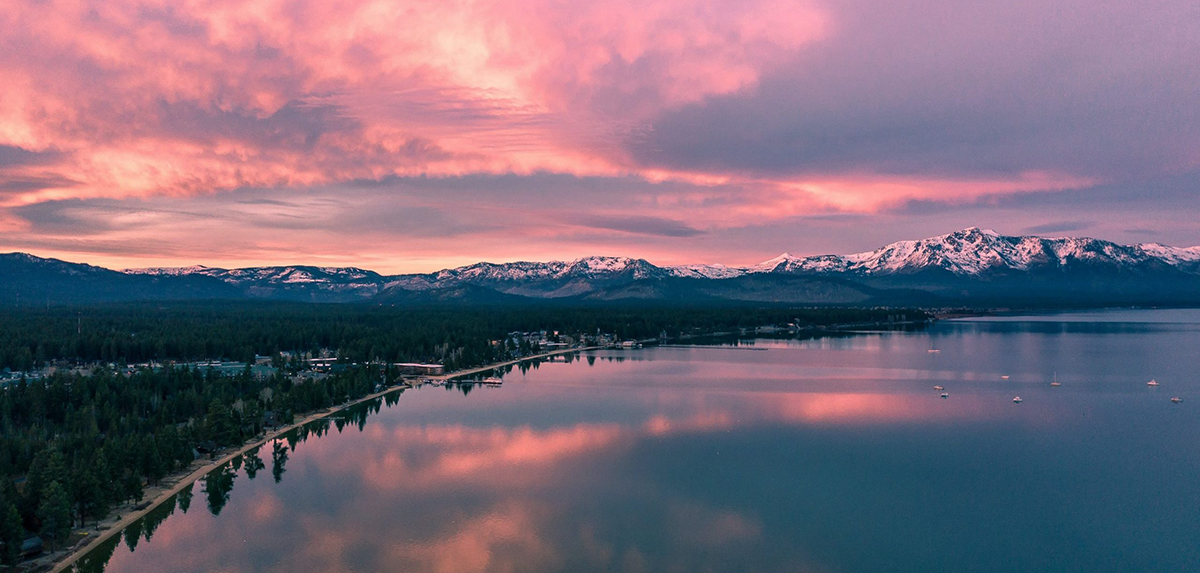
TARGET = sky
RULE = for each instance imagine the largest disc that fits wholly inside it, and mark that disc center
(409, 136)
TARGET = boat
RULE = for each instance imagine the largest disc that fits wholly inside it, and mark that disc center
(945, 394)
(492, 380)
(1016, 399)
(938, 388)
(1004, 377)
(934, 351)
(1152, 383)
(1176, 400)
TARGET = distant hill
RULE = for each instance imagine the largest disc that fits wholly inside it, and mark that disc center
(964, 268)
(26, 279)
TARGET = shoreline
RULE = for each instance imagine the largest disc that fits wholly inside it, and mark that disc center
(485, 368)
(122, 520)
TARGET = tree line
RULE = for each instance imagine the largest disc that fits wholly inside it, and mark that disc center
(134, 333)
(73, 446)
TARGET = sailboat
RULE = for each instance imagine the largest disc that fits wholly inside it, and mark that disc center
(1056, 382)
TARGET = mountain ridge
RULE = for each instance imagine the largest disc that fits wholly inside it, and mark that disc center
(894, 257)
(971, 265)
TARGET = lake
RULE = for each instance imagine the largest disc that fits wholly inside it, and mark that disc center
(828, 455)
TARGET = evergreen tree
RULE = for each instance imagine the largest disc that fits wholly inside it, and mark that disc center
(12, 533)
(55, 514)
(48, 466)
(132, 485)
(91, 495)
(156, 466)
(221, 428)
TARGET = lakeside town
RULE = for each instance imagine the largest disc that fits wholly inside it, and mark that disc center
(182, 418)
(302, 366)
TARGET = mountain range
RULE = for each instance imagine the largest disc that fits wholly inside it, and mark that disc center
(971, 267)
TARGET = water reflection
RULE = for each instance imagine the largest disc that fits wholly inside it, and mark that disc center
(815, 454)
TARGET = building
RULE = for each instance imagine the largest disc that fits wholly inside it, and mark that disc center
(322, 362)
(419, 369)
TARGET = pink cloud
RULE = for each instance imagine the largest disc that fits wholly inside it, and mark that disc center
(153, 97)
(714, 118)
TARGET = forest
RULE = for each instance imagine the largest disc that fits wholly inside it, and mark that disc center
(135, 333)
(73, 446)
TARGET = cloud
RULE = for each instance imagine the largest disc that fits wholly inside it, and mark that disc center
(406, 132)
(640, 225)
(11, 155)
(1058, 227)
(932, 90)
(211, 95)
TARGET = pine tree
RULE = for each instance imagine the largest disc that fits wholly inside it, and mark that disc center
(91, 496)
(48, 465)
(12, 533)
(156, 466)
(55, 514)
(133, 486)
(221, 428)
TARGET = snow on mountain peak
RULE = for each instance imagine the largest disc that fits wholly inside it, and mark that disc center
(967, 252)
(974, 251)
(714, 271)
(168, 271)
(1175, 255)
(772, 264)
(601, 264)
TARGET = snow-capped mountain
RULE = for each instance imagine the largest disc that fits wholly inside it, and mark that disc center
(293, 282)
(975, 252)
(170, 271)
(969, 252)
(555, 279)
(715, 271)
(970, 265)
(303, 274)
(972, 254)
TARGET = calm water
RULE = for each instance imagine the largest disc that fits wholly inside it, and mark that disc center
(822, 455)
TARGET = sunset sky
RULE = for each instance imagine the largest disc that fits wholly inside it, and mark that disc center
(415, 135)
